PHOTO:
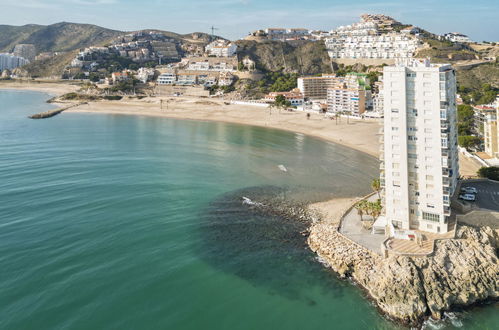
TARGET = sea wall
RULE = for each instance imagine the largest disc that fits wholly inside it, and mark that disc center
(461, 272)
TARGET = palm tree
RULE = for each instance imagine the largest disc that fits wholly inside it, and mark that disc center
(376, 186)
(375, 208)
(361, 207)
(336, 116)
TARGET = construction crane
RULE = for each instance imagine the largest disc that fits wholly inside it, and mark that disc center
(213, 31)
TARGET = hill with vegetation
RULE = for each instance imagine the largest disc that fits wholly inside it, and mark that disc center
(302, 57)
(60, 37)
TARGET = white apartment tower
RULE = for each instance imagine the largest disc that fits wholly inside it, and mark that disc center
(419, 169)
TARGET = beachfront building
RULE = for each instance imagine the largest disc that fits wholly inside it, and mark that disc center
(221, 48)
(167, 78)
(145, 74)
(419, 169)
(295, 97)
(9, 61)
(378, 99)
(315, 88)
(350, 94)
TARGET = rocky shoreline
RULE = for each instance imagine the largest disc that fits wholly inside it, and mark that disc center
(461, 272)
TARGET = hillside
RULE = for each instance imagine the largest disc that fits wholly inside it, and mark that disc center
(58, 37)
(298, 57)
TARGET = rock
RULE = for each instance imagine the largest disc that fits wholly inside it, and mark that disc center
(461, 272)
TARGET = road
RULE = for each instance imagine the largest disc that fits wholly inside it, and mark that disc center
(488, 194)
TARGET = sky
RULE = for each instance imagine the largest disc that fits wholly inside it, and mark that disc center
(234, 19)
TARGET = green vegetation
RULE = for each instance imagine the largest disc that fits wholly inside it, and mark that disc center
(278, 82)
(281, 102)
(486, 94)
(113, 97)
(491, 173)
(79, 97)
(469, 141)
(302, 57)
(58, 37)
(465, 119)
(225, 89)
(376, 186)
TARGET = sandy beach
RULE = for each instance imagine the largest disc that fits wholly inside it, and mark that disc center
(52, 88)
(362, 135)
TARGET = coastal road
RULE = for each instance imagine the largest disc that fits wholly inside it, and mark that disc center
(487, 196)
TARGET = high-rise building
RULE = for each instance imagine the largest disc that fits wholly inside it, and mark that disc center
(27, 51)
(9, 62)
(349, 94)
(419, 169)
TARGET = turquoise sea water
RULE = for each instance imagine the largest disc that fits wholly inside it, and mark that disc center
(122, 222)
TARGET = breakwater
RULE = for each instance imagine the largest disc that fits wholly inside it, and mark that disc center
(55, 112)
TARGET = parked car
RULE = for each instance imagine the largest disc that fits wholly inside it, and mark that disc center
(467, 197)
(469, 190)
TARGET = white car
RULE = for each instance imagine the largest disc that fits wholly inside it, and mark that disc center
(467, 197)
(469, 190)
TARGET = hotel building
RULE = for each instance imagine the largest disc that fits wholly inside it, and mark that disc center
(315, 88)
(419, 169)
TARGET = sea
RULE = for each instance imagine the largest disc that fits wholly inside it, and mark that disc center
(131, 222)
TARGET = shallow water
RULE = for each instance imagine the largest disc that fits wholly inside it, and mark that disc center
(125, 222)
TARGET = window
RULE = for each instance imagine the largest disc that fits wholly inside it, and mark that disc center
(426, 84)
(426, 75)
(427, 94)
(427, 130)
(431, 216)
(395, 165)
(395, 128)
(429, 177)
(395, 110)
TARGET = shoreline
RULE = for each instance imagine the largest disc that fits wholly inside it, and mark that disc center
(294, 122)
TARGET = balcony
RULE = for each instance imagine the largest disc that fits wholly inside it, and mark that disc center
(446, 182)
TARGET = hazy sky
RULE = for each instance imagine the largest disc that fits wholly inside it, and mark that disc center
(235, 18)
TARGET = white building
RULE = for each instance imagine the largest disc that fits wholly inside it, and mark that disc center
(145, 74)
(221, 48)
(457, 37)
(419, 169)
(385, 46)
(167, 78)
(9, 62)
(350, 94)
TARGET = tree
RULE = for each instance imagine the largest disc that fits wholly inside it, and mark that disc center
(281, 102)
(361, 207)
(375, 208)
(491, 173)
(376, 186)
(469, 141)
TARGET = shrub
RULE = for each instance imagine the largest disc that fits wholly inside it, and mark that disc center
(113, 97)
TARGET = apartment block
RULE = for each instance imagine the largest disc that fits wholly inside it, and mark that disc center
(349, 94)
(221, 48)
(419, 169)
(315, 88)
